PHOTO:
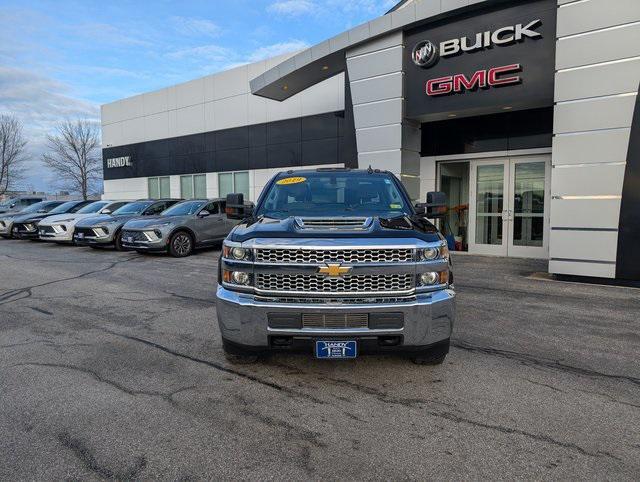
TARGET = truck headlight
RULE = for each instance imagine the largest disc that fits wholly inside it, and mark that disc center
(236, 253)
(431, 254)
(432, 278)
(237, 277)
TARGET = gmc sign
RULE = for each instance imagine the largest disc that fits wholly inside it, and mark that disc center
(482, 79)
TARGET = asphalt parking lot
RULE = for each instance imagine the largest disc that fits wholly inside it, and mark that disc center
(111, 368)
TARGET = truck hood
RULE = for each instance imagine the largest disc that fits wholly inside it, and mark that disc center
(402, 228)
(155, 221)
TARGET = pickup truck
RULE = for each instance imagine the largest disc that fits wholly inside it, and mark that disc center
(336, 263)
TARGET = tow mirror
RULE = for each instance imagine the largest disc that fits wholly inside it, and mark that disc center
(421, 209)
(436, 206)
(235, 208)
(204, 213)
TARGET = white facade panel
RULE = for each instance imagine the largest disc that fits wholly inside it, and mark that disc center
(155, 102)
(385, 62)
(620, 77)
(586, 213)
(600, 46)
(377, 88)
(594, 180)
(580, 17)
(593, 114)
(231, 112)
(584, 245)
(576, 268)
(134, 188)
(112, 135)
(190, 120)
(378, 113)
(156, 126)
(232, 82)
(591, 147)
(190, 93)
(382, 138)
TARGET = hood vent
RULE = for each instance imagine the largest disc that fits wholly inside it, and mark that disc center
(334, 224)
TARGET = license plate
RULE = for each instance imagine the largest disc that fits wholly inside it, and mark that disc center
(336, 349)
(128, 239)
(80, 235)
(42, 231)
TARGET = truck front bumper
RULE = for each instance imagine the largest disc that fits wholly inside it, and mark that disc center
(244, 322)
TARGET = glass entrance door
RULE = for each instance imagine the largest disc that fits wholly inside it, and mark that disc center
(509, 207)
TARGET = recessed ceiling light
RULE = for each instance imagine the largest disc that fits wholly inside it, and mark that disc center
(285, 87)
(453, 115)
(508, 107)
(325, 67)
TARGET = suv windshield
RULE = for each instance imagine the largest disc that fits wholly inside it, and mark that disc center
(93, 207)
(64, 208)
(36, 207)
(132, 208)
(326, 194)
(184, 208)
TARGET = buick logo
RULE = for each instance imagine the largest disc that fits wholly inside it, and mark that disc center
(424, 54)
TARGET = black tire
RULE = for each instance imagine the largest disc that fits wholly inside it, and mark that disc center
(426, 360)
(180, 244)
(241, 359)
(117, 241)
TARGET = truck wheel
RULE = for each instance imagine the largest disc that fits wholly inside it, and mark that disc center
(241, 359)
(426, 360)
(180, 244)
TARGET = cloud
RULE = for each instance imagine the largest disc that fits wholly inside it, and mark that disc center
(274, 50)
(196, 26)
(39, 103)
(212, 53)
(110, 35)
(292, 8)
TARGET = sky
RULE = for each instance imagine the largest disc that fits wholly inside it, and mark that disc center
(62, 59)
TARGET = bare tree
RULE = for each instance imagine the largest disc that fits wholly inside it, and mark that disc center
(12, 152)
(75, 155)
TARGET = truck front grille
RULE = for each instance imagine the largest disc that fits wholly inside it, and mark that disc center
(335, 320)
(368, 284)
(318, 256)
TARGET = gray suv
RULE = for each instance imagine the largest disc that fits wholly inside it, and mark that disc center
(183, 227)
(17, 204)
(105, 230)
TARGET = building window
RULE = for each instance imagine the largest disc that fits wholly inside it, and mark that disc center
(233, 182)
(159, 187)
(193, 187)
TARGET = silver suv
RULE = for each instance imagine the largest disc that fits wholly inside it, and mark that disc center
(104, 230)
(183, 227)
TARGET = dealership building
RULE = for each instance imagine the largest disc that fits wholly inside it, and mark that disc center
(525, 112)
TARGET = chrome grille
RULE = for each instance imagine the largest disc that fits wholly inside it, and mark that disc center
(335, 320)
(315, 256)
(321, 284)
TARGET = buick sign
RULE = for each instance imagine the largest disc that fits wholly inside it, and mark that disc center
(425, 54)
(119, 162)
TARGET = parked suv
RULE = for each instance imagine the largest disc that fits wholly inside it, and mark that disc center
(7, 219)
(60, 228)
(104, 230)
(180, 229)
(25, 226)
(336, 262)
(17, 204)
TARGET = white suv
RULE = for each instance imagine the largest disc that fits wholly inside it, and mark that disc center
(60, 228)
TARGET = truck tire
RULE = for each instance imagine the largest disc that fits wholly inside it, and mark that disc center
(238, 356)
(180, 244)
(433, 356)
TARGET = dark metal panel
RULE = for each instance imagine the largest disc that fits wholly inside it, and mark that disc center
(321, 126)
(233, 160)
(258, 135)
(319, 151)
(235, 138)
(284, 155)
(536, 56)
(258, 157)
(628, 257)
(288, 130)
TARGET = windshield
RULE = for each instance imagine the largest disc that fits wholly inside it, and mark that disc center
(64, 208)
(93, 207)
(37, 207)
(322, 194)
(184, 208)
(132, 208)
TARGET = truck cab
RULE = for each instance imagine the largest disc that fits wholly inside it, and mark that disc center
(335, 263)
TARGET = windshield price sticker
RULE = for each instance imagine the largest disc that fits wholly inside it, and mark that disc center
(291, 180)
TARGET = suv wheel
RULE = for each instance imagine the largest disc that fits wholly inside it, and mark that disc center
(180, 245)
(117, 241)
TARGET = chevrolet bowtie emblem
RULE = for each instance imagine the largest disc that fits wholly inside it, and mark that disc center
(334, 270)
